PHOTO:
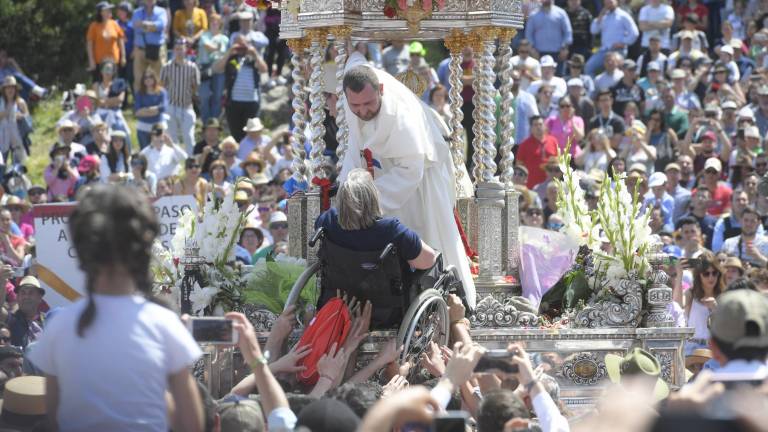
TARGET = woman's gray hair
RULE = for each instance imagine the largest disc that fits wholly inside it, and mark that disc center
(358, 201)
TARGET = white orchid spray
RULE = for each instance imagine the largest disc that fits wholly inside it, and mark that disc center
(625, 228)
(578, 222)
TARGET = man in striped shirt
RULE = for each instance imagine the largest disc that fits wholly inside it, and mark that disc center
(181, 78)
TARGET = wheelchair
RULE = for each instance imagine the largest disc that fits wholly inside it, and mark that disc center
(413, 302)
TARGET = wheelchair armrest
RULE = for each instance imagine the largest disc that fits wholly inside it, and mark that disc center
(317, 236)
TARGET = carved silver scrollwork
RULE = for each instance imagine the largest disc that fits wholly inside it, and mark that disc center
(490, 312)
(342, 134)
(621, 309)
(659, 294)
(583, 368)
(665, 360)
(455, 44)
(261, 318)
(484, 144)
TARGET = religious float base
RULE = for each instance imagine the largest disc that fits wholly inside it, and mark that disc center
(574, 357)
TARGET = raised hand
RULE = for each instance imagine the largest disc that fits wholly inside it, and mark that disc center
(396, 384)
(432, 360)
(330, 365)
(287, 363)
(465, 357)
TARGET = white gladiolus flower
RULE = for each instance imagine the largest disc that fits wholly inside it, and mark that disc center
(201, 298)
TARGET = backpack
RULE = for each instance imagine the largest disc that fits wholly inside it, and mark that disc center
(330, 325)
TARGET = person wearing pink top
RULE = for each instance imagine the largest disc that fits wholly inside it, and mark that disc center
(566, 125)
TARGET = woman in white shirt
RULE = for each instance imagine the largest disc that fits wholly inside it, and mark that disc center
(701, 299)
(111, 357)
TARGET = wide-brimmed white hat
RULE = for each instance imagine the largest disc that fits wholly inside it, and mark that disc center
(254, 125)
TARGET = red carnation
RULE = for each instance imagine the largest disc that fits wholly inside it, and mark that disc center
(389, 11)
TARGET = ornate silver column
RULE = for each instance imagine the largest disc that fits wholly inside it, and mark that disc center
(510, 257)
(506, 120)
(318, 42)
(297, 204)
(455, 43)
(489, 192)
(299, 61)
(318, 38)
(341, 35)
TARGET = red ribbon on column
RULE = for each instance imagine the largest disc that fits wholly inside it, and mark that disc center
(368, 160)
(325, 192)
(467, 248)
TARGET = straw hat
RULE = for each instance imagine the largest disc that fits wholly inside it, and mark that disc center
(14, 201)
(253, 157)
(698, 356)
(23, 402)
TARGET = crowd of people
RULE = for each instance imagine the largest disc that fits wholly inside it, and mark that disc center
(672, 96)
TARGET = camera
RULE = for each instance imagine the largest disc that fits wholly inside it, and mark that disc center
(497, 361)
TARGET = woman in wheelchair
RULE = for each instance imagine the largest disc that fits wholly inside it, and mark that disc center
(354, 255)
(357, 224)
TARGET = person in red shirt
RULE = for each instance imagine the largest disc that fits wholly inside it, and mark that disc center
(694, 7)
(721, 192)
(535, 151)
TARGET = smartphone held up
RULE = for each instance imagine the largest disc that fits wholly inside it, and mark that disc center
(212, 330)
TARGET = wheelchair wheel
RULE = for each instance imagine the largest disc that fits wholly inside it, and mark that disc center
(425, 321)
(298, 287)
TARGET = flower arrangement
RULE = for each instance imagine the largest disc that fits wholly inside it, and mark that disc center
(597, 271)
(215, 230)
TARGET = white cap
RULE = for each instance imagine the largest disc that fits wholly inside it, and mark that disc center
(729, 104)
(639, 167)
(278, 216)
(678, 73)
(654, 66)
(575, 82)
(751, 132)
(548, 61)
(713, 163)
(727, 49)
(245, 15)
(657, 179)
(747, 113)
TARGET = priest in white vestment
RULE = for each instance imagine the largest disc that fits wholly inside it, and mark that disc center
(398, 137)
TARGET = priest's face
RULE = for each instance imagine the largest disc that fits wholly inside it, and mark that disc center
(367, 103)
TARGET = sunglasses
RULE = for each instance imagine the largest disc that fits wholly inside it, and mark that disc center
(566, 106)
(195, 166)
(36, 193)
(710, 273)
(264, 209)
(280, 225)
(534, 213)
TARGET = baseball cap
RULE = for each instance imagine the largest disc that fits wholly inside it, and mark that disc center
(629, 64)
(30, 281)
(654, 66)
(708, 135)
(672, 166)
(548, 61)
(575, 82)
(752, 132)
(87, 163)
(726, 49)
(278, 217)
(747, 112)
(638, 167)
(729, 104)
(741, 319)
(657, 179)
(713, 163)
(104, 5)
(245, 15)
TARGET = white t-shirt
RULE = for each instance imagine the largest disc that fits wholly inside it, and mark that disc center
(656, 14)
(114, 378)
(165, 161)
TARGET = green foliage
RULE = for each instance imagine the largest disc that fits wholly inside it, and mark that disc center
(47, 37)
(272, 282)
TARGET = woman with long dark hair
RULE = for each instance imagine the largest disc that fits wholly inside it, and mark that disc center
(13, 111)
(701, 299)
(117, 347)
(115, 164)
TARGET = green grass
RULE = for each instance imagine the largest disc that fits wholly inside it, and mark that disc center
(45, 115)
